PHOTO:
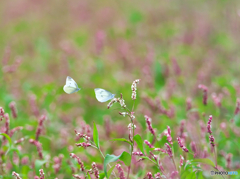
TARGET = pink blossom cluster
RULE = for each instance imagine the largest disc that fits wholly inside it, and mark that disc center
(149, 144)
(77, 176)
(1, 113)
(149, 124)
(153, 156)
(74, 156)
(237, 110)
(134, 88)
(57, 163)
(169, 150)
(40, 126)
(209, 124)
(12, 68)
(176, 67)
(205, 93)
(83, 144)
(13, 108)
(7, 123)
(211, 138)
(95, 170)
(181, 144)
(138, 153)
(158, 176)
(160, 150)
(39, 147)
(120, 100)
(217, 99)
(15, 130)
(79, 136)
(149, 175)
(168, 134)
(120, 171)
(181, 160)
(194, 148)
(16, 175)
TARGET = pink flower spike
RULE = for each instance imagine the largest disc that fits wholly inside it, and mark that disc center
(209, 124)
(149, 144)
(120, 171)
(13, 108)
(149, 175)
(181, 145)
(149, 124)
(16, 175)
(1, 113)
(83, 144)
(72, 155)
(237, 110)
(169, 150)
(39, 147)
(41, 174)
(158, 176)
(205, 91)
(138, 153)
(181, 161)
(40, 126)
(134, 88)
(160, 150)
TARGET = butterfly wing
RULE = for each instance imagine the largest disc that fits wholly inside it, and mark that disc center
(71, 86)
(103, 95)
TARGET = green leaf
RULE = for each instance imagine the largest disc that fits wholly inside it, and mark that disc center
(199, 175)
(39, 164)
(95, 135)
(125, 157)
(110, 171)
(204, 161)
(9, 140)
(101, 175)
(89, 177)
(122, 139)
(139, 142)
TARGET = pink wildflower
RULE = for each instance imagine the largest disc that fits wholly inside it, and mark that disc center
(40, 126)
(169, 150)
(13, 108)
(149, 144)
(39, 147)
(181, 144)
(205, 95)
(120, 171)
(72, 155)
(134, 88)
(148, 120)
(138, 153)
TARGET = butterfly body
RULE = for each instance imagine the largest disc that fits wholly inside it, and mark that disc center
(103, 95)
(70, 86)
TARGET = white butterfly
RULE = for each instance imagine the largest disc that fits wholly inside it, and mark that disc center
(70, 86)
(103, 95)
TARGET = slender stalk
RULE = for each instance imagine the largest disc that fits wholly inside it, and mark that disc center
(129, 168)
(215, 156)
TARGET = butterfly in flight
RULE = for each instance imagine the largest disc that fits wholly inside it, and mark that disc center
(70, 86)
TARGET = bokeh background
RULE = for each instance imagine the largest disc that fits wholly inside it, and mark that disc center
(172, 46)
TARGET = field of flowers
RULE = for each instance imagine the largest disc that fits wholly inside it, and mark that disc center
(172, 65)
